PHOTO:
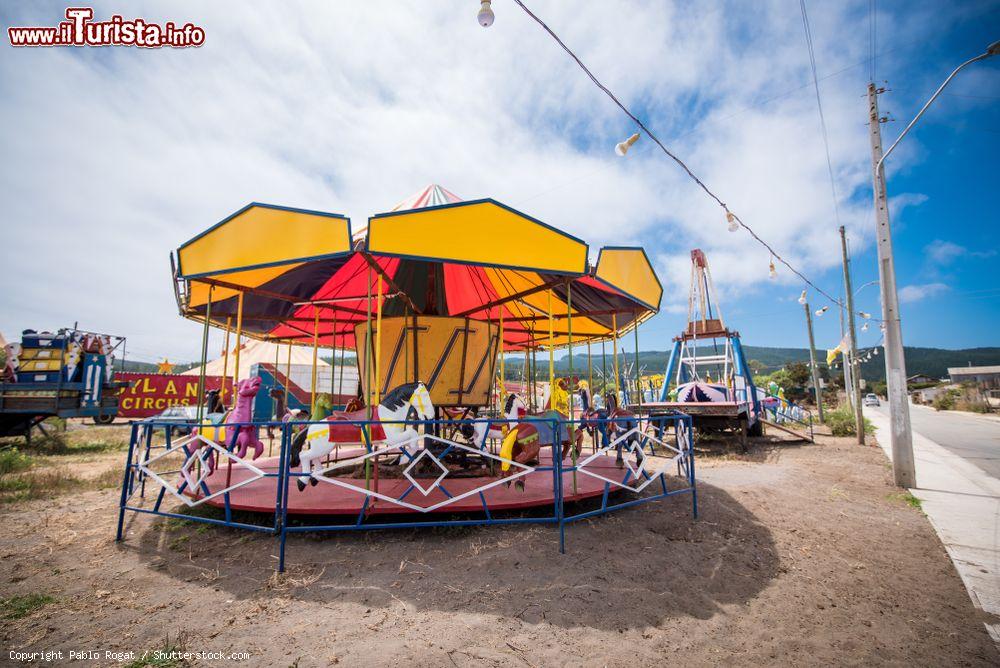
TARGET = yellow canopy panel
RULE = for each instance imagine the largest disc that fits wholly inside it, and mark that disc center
(482, 232)
(264, 235)
(630, 271)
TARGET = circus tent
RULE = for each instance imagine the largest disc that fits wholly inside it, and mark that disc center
(256, 352)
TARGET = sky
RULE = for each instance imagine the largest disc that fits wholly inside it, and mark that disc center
(115, 156)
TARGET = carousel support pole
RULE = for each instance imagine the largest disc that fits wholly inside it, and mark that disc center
(604, 362)
(312, 387)
(503, 368)
(288, 373)
(638, 374)
(225, 362)
(378, 343)
(368, 372)
(239, 336)
(340, 380)
(572, 407)
(333, 357)
(378, 368)
(590, 372)
(552, 354)
(614, 335)
(270, 438)
(204, 356)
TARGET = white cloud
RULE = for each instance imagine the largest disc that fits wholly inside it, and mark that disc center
(915, 293)
(945, 252)
(113, 157)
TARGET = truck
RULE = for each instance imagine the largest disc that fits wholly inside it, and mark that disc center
(66, 374)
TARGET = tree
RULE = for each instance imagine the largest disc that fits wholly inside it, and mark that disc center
(756, 366)
(798, 374)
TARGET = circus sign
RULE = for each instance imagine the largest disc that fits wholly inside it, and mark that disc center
(149, 394)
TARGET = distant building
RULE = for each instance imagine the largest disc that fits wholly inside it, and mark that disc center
(984, 377)
(920, 379)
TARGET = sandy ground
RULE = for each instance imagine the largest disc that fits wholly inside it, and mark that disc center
(800, 556)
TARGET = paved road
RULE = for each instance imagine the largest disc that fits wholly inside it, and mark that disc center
(975, 439)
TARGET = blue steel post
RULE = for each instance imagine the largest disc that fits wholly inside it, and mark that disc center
(558, 492)
(690, 456)
(277, 483)
(671, 369)
(125, 483)
(283, 484)
(149, 443)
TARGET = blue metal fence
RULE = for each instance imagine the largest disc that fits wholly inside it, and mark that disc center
(192, 485)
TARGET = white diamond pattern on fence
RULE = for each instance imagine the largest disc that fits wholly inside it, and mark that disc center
(636, 461)
(425, 454)
(520, 470)
(192, 480)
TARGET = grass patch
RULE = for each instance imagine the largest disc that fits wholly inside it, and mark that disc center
(13, 460)
(81, 440)
(51, 482)
(16, 607)
(842, 422)
(179, 542)
(907, 498)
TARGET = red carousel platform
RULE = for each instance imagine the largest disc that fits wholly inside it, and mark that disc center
(345, 495)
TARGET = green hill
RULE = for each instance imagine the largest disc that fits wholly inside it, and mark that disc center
(933, 362)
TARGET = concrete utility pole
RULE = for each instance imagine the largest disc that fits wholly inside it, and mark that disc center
(812, 362)
(895, 369)
(900, 435)
(852, 358)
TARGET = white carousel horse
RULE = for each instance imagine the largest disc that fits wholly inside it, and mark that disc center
(409, 402)
(514, 409)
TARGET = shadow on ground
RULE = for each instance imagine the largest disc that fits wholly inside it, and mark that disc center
(625, 570)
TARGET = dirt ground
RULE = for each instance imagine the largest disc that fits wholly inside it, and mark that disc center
(801, 555)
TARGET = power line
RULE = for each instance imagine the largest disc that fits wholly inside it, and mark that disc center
(819, 105)
(687, 170)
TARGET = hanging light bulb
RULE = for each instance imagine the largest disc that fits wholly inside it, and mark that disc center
(771, 271)
(864, 327)
(621, 148)
(866, 316)
(485, 15)
(821, 311)
(875, 352)
(802, 298)
(882, 326)
(734, 226)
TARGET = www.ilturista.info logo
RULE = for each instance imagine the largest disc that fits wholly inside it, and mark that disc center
(80, 30)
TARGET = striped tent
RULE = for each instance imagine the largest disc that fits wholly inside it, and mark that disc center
(302, 274)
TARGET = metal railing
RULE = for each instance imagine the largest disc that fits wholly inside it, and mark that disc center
(194, 470)
(787, 412)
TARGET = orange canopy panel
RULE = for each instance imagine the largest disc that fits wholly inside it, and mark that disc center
(302, 277)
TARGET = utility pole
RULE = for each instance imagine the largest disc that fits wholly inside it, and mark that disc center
(852, 358)
(846, 371)
(900, 434)
(812, 362)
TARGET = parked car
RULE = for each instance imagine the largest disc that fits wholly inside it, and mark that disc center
(184, 416)
(871, 400)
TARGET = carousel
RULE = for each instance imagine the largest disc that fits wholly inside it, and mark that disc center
(432, 300)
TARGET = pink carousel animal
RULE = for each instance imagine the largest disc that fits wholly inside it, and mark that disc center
(247, 437)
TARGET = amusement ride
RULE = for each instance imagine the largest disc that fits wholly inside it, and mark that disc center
(431, 297)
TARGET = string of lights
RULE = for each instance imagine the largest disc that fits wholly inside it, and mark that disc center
(735, 222)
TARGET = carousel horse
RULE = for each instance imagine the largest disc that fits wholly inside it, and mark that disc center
(514, 409)
(525, 439)
(407, 403)
(247, 435)
(609, 422)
